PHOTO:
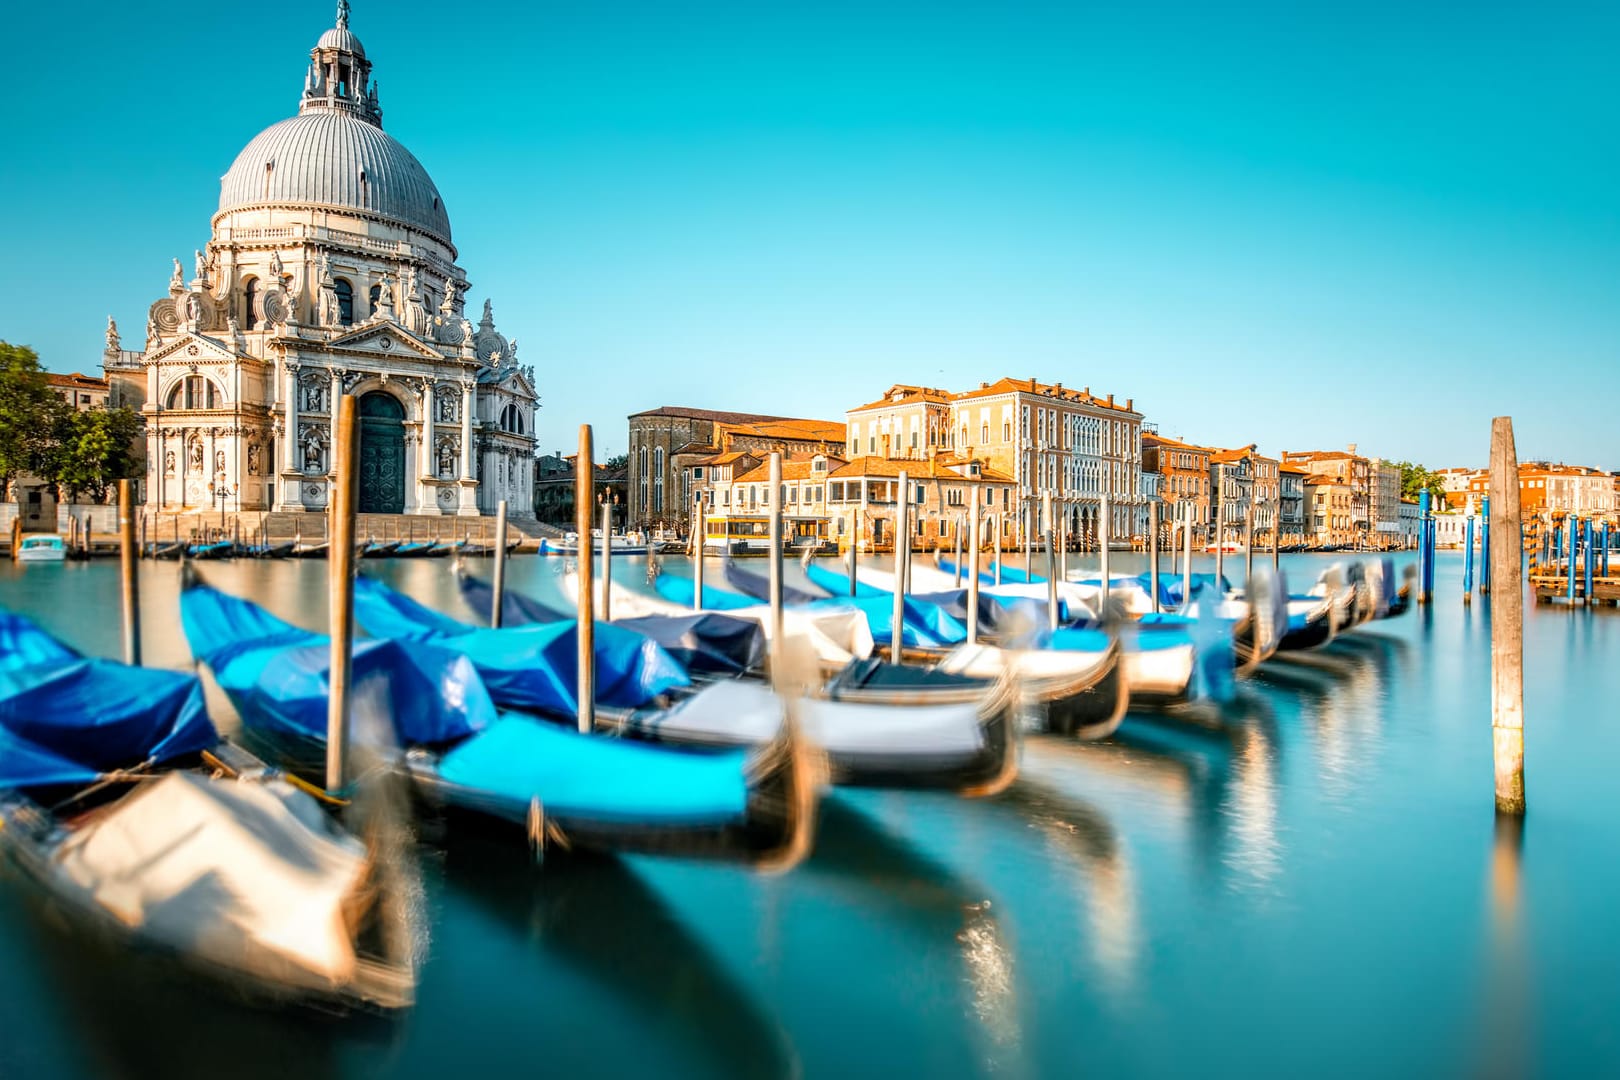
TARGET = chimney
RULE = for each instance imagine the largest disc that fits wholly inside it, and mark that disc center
(1110, 401)
(1130, 404)
(1087, 391)
(1352, 448)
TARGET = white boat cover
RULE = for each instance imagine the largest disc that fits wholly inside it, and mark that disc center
(1038, 672)
(838, 634)
(750, 713)
(1165, 671)
(226, 870)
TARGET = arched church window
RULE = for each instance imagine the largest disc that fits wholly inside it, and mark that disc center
(345, 299)
(193, 392)
(376, 291)
(250, 296)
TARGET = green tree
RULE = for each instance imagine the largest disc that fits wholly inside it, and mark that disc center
(1415, 479)
(95, 449)
(617, 461)
(30, 414)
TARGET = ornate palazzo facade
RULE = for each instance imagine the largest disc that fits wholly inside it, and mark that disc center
(330, 271)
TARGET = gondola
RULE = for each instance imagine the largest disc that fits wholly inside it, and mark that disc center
(877, 723)
(131, 820)
(708, 644)
(222, 549)
(375, 550)
(566, 788)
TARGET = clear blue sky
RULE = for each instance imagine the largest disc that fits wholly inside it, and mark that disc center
(1300, 224)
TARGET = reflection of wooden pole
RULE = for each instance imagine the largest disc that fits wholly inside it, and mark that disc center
(1507, 621)
(498, 597)
(584, 495)
(340, 592)
(127, 554)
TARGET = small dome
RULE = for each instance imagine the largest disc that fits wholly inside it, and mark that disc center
(332, 158)
(339, 37)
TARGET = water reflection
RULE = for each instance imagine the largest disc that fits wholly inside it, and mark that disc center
(925, 896)
(1082, 836)
(599, 917)
(1505, 1048)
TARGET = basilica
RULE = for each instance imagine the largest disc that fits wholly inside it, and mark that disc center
(330, 271)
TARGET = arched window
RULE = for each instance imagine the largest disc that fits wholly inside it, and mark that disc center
(193, 392)
(512, 419)
(345, 299)
(250, 297)
(371, 298)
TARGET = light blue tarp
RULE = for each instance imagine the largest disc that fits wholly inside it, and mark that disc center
(1010, 575)
(1170, 586)
(922, 624)
(24, 644)
(531, 667)
(610, 780)
(682, 591)
(837, 584)
(67, 719)
(278, 675)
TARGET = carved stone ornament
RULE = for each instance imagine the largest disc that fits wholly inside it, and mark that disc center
(385, 342)
(272, 305)
(192, 350)
(164, 317)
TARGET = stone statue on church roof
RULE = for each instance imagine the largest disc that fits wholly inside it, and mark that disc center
(113, 344)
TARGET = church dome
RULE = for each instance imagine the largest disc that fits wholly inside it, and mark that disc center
(340, 37)
(334, 158)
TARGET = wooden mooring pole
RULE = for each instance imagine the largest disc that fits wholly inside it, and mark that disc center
(340, 593)
(1507, 622)
(973, 568)
(1468, 561)
(128, 568)
(775, 579)
(1153, 553)
(607, 558)
(1485, 546)
(1104, 536)
(585, 612)
(902, 543)
(1051, 562)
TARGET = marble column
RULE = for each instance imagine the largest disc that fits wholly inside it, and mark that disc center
(466, 431)
(429, 458)
(289, 454)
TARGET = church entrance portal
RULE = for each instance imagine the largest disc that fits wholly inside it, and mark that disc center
(382, 454)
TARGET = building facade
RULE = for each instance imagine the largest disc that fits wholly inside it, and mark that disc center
(1329, 516)
(1183, 469)
(674, 450)
(329, 272)
(1384, 492)
(1291, 503)
(1353, 472)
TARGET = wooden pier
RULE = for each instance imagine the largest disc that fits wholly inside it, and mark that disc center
(1554, 589)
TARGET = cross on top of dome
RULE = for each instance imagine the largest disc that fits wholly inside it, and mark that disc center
(340, 75)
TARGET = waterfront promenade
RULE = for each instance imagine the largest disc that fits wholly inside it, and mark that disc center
(1311, 884)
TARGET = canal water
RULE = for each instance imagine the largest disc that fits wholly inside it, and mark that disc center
(1313, 885)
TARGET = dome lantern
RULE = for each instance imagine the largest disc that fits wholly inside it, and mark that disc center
(340, 75)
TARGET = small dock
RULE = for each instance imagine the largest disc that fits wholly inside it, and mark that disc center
(1555, 589)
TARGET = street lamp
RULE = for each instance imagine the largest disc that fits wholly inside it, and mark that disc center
(220, 491)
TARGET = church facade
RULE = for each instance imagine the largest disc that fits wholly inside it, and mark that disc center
(329, 271)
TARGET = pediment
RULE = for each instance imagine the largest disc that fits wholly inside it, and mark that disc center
(195, 349)
(515, 381)
(385, 339)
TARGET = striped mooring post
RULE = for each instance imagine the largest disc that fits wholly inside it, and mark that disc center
(1468, 561)
(1425, 549)
(1586, 564)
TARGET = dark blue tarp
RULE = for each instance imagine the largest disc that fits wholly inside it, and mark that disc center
(278, 675)
(67, 719)
(704, 642)
(757, 585)
(528, 667)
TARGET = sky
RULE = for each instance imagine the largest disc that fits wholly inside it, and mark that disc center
(1301, 225)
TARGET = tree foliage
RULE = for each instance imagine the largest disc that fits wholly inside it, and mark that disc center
(30, 413)
(40, 434)
(617, 461)
(1416, 478)
(96, 448)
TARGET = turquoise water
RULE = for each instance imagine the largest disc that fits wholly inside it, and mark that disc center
(1315, 885)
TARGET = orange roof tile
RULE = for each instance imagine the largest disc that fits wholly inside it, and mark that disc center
(1008, 385)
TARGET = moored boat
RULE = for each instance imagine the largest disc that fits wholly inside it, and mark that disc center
(41, 547)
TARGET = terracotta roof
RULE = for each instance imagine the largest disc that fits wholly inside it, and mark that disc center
(706, 414)
(1052, 390)
(1165, 440)
(791, 428)
(77, 380)
(727, 459)
(1295, 469)
(908, 395)
(918, 470)
(803, 469)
